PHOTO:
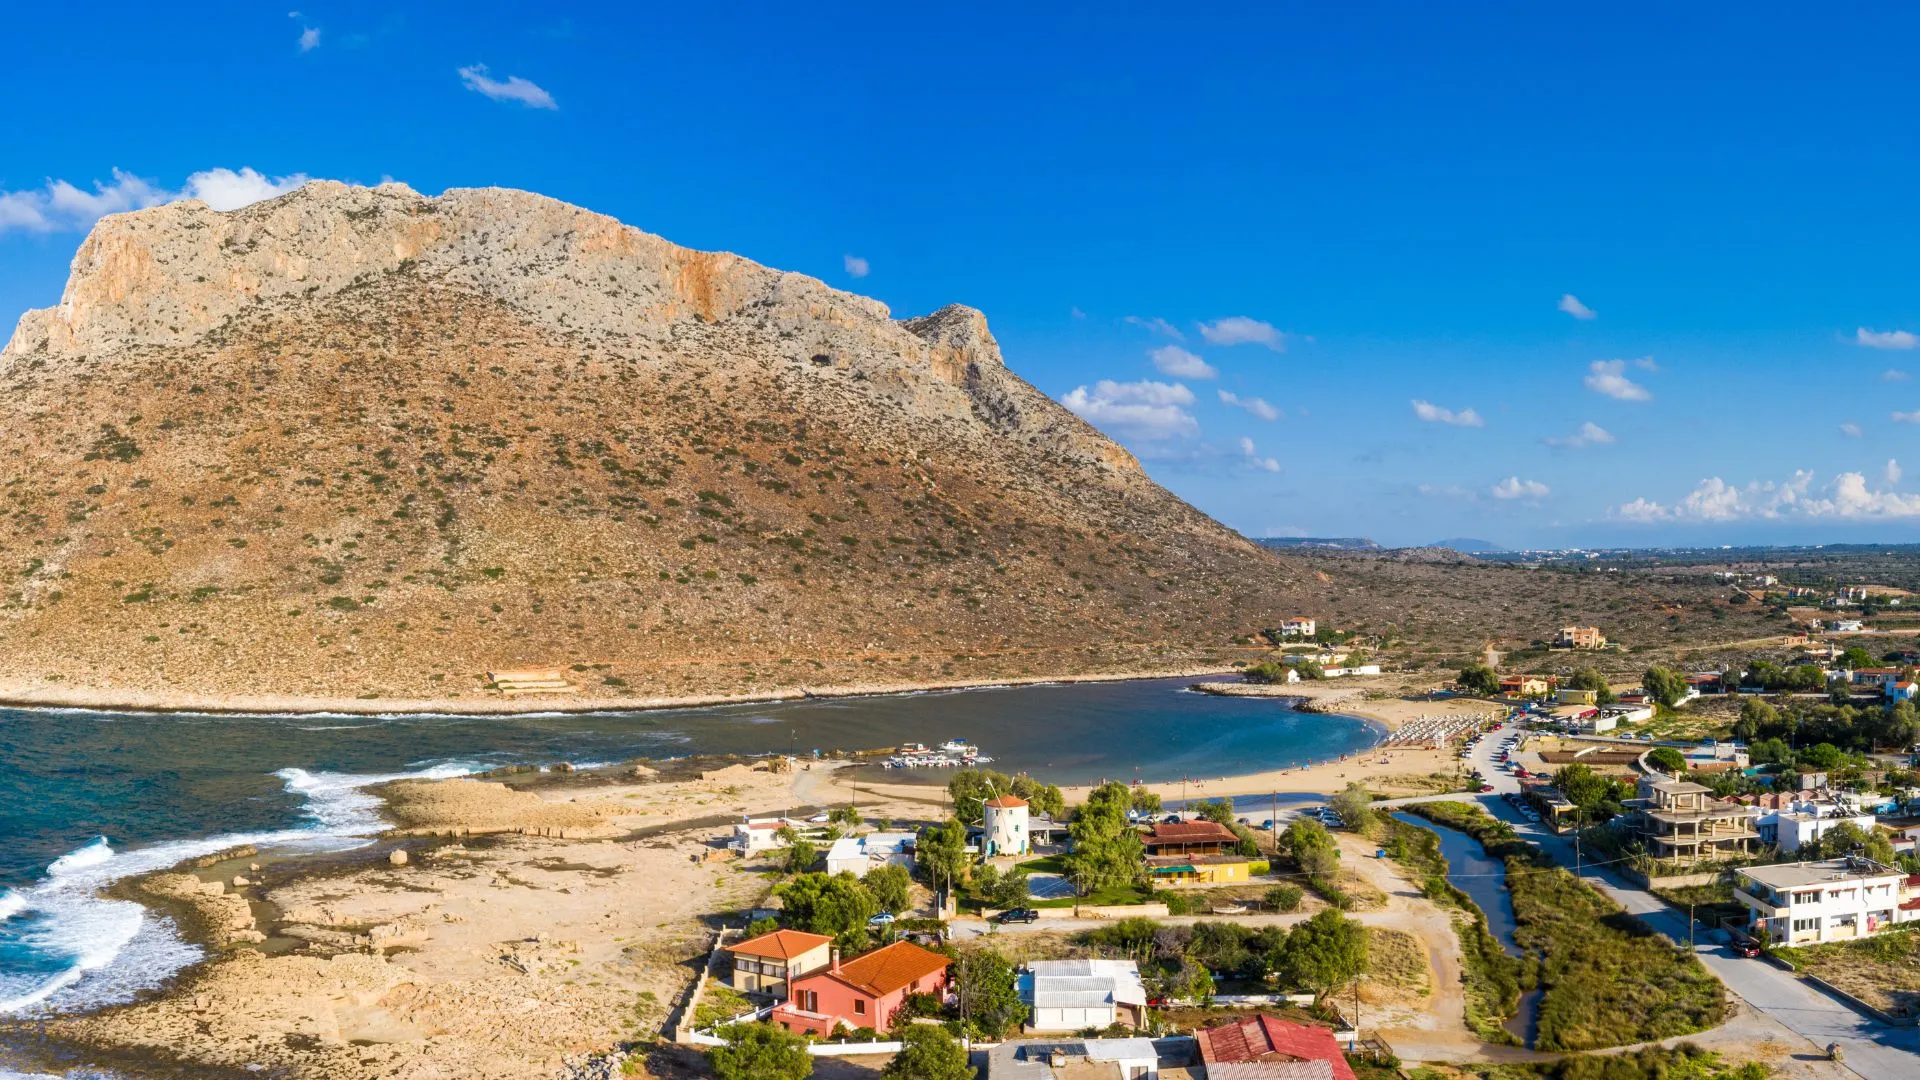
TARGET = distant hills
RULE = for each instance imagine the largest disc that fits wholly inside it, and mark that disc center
(1338, 543)
(1467, 545)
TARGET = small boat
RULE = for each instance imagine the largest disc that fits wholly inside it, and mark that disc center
(958, 746)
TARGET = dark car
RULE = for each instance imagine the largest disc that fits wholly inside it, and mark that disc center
(1019, 914)
(1748, 949)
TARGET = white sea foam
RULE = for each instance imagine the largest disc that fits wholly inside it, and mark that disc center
(105, 950)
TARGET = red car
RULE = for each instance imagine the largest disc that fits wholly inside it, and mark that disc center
(1484, 788)
(1748, 949)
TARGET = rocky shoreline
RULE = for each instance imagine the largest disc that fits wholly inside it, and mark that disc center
(493, 932)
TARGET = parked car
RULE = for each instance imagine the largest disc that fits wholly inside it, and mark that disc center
(1748, 949)
(1485, 788)
(1018, 915)
(885, 918)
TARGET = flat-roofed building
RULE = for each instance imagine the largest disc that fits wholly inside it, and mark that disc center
(1806, 903)
(1683, 822)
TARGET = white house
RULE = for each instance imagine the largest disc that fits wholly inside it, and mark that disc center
(1835, 900)
(1360, 669)
(755, 835)
(859, 854)
(1004, 827)
(1298, 626)
(1067, 995)
(1845, 626)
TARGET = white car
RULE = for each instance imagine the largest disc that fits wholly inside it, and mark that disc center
(885, 918)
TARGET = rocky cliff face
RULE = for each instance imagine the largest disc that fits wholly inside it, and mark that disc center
(358, 443)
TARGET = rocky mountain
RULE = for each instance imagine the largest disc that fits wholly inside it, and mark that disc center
(360, 445)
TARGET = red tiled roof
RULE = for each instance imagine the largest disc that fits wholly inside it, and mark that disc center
(781, 944)
(1005, 801)
(1265, 1038)
(883, 971)
(1191, 832)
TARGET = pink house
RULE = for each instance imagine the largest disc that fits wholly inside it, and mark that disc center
(864, 992)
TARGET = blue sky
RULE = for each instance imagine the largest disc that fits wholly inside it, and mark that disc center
(1360, 227)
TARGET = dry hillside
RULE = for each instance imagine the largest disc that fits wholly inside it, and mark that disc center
(359, 444)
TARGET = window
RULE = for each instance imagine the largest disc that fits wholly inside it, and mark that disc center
(859, 1007)
(1800, 925)
(1806, 897)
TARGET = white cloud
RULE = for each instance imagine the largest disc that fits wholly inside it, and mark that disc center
(1892, 472)
(1850, 429)
(1253, 457)
(527, 93)
(1178, 362)
(1571, 304)
(1076, 312)
(63, 207)
(1646, 363)
(1515, 488)
(224, 189)
(1886, 339)
(1257, 406)
(1157, 325)
(1434, 414)
(1608, 377)
(858, 267)
(1894, 375)
(1590, 434)
(1907, 417)
(1145, 409)
(1845, 496)
(309, 39)
(1241, 330)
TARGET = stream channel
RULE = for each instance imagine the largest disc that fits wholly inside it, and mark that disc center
(1484, 879)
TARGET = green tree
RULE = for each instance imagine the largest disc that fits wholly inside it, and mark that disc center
(1218, 811)
(941, 854)
(1307, 842)
(760, 1052)
(1847, 838)
(928, 1052)
(1479, 679)
(1822, 756)
(762, 926)
(1757, 720)
(848, 816)
(891, 887)
(986, 981)
(1664, 685)
(1325, 953)
(837, 905)
(1146, 801)
(801, 856)
(1582, 786)
(1354, 805)
(972, 787)
(1856, 658)
(1591, 679)
(1106, 849)
(1042, 798)
(1667, 760)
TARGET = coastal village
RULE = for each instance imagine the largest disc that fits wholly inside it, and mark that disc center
(1535, 865)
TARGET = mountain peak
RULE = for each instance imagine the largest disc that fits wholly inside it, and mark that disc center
(359, 444)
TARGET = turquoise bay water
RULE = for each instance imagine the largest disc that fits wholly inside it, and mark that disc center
(87, 798)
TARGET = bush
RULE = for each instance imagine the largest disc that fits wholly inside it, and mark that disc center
(761, 1052)
(1285, 897)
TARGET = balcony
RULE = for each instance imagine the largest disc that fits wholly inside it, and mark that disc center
(1767, 910)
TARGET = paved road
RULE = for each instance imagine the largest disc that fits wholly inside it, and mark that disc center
(1874, 1050)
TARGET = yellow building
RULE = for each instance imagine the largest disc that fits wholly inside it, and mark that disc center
(1570, 696)
(1200, 869)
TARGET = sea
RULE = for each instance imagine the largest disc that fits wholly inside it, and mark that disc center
(88, 798)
